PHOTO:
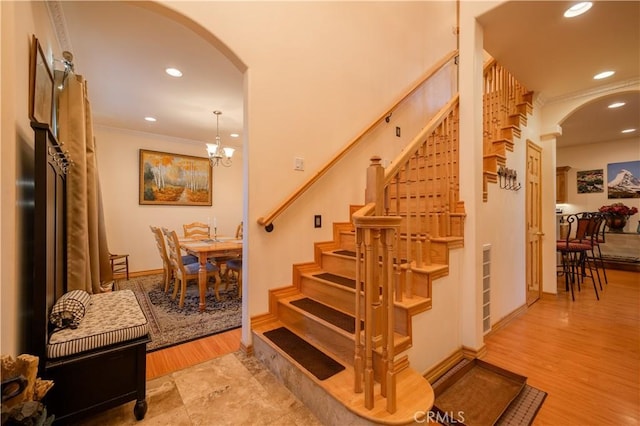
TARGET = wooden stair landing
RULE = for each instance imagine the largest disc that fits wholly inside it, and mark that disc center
(415, 395)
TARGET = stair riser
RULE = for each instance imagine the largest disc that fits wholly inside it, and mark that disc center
(348, 241)
(339, 265)
(338, 297)
(318, 334)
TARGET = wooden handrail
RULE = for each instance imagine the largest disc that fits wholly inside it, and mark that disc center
(267, 220)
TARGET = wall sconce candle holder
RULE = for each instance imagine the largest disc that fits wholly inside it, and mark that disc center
(508, 179)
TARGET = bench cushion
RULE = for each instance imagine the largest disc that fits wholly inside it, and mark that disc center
(111, 318)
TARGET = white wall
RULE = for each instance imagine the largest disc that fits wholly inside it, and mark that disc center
(311, 86)
(19, 21)
(127, 222)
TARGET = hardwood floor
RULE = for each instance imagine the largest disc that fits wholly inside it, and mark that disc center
(165, 361)
(584, 354)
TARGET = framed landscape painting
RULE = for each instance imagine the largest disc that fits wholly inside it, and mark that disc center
(623, 180)
(174, 179)
(589, 181)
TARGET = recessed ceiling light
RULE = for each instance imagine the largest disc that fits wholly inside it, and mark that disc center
(603, 74)
(578, 9)
(151, 119)
(628, 130)
(234, 135)
(616, 105)
(174, 72)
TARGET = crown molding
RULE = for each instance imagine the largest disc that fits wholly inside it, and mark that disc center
(631, 83)
(56, 15)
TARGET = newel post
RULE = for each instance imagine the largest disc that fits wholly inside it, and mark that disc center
(375, 184)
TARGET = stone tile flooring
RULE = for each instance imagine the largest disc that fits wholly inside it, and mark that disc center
(230, 390)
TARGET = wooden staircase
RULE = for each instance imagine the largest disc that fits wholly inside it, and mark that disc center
(356, 300)
(506, 105)
(328, 283)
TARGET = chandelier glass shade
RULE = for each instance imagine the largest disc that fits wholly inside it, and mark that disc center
(219, 155)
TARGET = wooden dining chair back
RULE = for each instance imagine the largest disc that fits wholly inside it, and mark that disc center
(167, 268)
(196, 230)
(167, 273)
(184, 273)
(119, 264)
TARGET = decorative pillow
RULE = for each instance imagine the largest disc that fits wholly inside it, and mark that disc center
(69, 309)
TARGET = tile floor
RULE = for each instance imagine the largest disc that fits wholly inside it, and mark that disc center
(232, 389)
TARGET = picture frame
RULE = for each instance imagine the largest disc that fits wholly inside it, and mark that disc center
(40, 85)
(622, 179)
(590, 181)
(174, 179)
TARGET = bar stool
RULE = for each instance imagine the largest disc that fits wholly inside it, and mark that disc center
(574, 251)
(120, 264)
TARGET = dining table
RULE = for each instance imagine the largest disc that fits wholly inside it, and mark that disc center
(205, 248)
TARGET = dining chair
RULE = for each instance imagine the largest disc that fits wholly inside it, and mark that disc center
(196, 230)
(184, 273)
(119, 264)
(595, 226)
(573, 250)
(234, 266)
(167, 268)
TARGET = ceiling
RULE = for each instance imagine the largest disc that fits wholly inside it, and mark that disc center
(123, 49)
(129, 47)
(557, 57)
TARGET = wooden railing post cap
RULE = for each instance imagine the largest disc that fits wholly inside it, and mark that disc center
(376, 160)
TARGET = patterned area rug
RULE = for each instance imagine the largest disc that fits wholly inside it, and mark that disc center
(171, 325)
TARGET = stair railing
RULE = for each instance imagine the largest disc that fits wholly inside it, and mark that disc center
(414, 201)
(505, 103)
(267, 220)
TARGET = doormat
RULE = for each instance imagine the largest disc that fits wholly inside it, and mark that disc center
(476, 393)
(170, 325)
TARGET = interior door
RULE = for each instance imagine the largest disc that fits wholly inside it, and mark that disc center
(534, 227)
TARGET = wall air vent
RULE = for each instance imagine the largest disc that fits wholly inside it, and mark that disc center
(486, 288)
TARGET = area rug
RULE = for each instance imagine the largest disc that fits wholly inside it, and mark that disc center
(170, 325)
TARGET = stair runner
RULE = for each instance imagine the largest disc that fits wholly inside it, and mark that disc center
(327, 313)
(308, 356)
(352, 253)
(338, 279)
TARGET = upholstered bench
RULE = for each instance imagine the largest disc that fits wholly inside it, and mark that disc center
(96, 354)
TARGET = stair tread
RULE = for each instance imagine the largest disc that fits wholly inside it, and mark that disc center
(337, 279)
(333, 316)
(321, 365)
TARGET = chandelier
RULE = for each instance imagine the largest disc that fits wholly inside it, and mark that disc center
(217, 153)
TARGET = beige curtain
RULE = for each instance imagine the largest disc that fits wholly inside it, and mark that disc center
(88, 266)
